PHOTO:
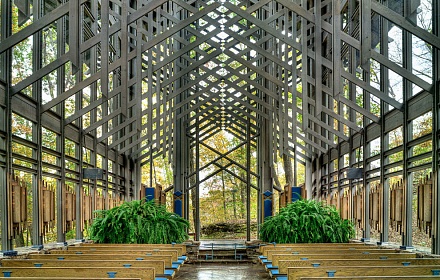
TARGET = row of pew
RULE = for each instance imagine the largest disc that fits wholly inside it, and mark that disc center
(99, 261)
(345, 261)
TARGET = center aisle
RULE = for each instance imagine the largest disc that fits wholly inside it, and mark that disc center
(226, 271)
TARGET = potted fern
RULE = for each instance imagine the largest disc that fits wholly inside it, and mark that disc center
(307, 221)
(138, 222)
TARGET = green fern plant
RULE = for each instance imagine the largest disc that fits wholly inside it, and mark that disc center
(307, 221)
(138, 222)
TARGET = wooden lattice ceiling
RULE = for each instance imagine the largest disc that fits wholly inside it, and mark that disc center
(162, 64)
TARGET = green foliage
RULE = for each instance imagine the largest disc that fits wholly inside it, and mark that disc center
(225, 229)
(138, 222)
(307, 221)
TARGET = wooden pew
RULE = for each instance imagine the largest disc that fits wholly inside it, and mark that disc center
(277, 257)
(158, 265)
(277, 270)
(268, 253)
(352, 251)
(143, 273)
(420, 277)
(376, 256)
(154, 246)
(318, 245)
(168, 259)
(181, 249)
(62, 278)
(119, 252)
(262, 249)
(295, 273)
(283, 265)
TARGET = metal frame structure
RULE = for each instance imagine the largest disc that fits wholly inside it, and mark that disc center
(119, 83)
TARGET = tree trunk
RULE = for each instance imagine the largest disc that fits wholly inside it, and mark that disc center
(19, 240)
(288, 170)
(224, 195)
(243, 196)
(277, 179)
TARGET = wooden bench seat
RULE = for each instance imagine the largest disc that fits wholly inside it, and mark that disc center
(283, 265)
(63, 278)
(158, 265)
(303, 252)
(277, 257)
(295, 273)
(315, 245)
(138, 253)
(172, 246)
(168, 259)
(419, 277)
(143, 273)
(181, 249)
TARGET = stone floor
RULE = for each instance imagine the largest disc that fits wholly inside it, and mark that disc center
(222, 271)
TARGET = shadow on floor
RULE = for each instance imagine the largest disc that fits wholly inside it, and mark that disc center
(226, 271)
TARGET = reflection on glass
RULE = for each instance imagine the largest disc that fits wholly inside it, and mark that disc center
(395, 48)
(22, 60)
(422, 125)
(421, 59)
(424, 14)
(395, 86)
(21, 15)
(49, 87)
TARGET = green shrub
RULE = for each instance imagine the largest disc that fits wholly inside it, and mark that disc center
(138, 222)
(307, 221)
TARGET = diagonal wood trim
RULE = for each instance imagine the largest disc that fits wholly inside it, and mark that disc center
(405, 24)
(36, 26)
(79, 86)
(41, 73)
(372, 90)
(402, 71)
(171, 31)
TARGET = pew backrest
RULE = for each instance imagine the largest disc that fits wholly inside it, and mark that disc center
(295, 273)
(158, 265)
(162, 246)
(376, 256)
(269, 253)
(144, 273)
(168, 259)
(119, 252)
(63, 278)
(129, 247)
(320, 245)
(283, 265)
(419, 277)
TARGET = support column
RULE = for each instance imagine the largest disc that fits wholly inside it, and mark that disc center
(366, 225)
(308, 179)
(436, 136)
(265, 167)
(407, 218)
(5, 171)
(385, 181)
(178, 203)
(248, 181)
(267, 204)
(385, 184)
(197, 190)
(137, 181)
(37, 59)
(79, 188)
(6, 57)
(178, 164)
